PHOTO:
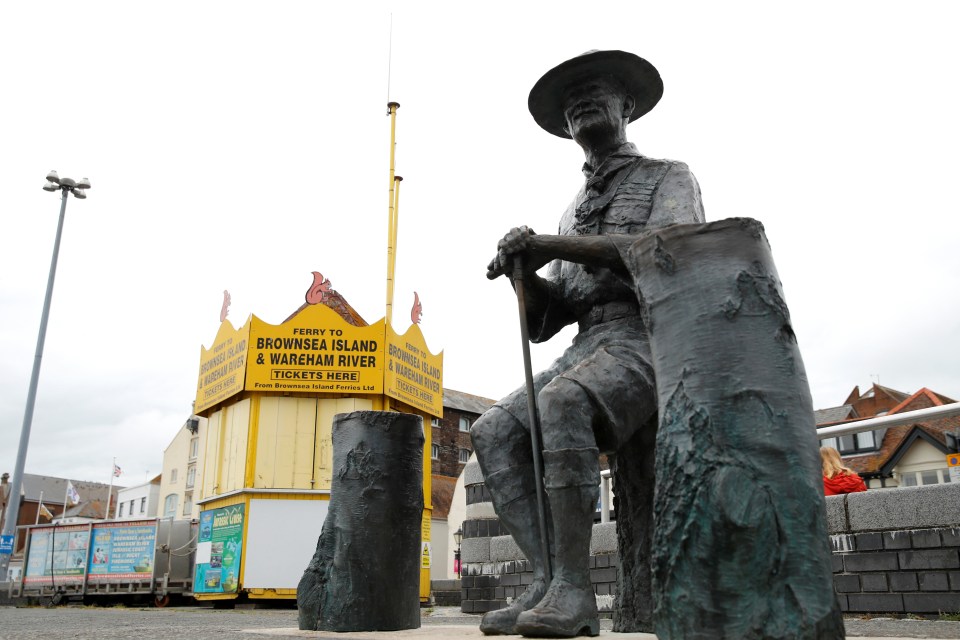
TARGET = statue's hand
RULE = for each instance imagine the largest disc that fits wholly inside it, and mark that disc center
(516, 241)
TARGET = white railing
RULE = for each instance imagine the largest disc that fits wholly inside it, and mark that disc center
(895, 420)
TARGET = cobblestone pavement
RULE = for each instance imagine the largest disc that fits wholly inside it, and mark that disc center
(75, 622)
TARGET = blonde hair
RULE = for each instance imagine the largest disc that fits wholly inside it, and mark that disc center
(832, 464)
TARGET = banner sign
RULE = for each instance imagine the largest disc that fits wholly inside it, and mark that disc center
(122, 551)
(57, 554)
(414, 375)
(316, 350)
(222, 366)
(218, 550)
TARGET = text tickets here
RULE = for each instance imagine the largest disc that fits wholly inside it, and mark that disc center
(415, 376)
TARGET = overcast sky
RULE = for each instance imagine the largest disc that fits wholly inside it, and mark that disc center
(241, 146)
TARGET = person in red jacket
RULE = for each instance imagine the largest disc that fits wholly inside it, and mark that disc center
(837, 478)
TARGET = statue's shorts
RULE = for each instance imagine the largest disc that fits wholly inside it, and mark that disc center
(611, 362)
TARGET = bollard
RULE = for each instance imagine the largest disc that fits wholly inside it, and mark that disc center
(740, 540)
(365, 574)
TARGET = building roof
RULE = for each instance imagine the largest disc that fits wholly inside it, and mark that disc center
(896, 440)
(823, 417)
(55, 489)
(339, 304)
(461, 401)
(93, 509)
(155, 480)
(874, 391)
(441, 495)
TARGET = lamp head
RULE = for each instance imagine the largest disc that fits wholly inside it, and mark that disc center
(49, 186)
(53, 177)
(83, 183)
(79, 193)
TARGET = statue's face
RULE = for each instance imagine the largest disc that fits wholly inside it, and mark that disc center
(593, 106)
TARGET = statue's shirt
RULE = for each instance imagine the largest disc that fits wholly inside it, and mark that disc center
(628, 193)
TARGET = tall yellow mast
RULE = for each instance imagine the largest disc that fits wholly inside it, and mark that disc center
(392, 211)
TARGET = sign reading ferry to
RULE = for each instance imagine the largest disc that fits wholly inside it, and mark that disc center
(413, 375)
(222, 366)
(315, 351)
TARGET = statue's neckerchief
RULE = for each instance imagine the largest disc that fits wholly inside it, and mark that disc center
(600, 189)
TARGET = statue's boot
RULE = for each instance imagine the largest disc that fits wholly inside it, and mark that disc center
(504, 621)
(569, 608)
(515, 501)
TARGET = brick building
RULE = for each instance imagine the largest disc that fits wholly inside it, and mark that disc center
(904, 456)
(51, 491)
(451, 434)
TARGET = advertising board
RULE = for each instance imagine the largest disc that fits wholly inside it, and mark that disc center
(57, 554)
(219, 544)
(122, 551)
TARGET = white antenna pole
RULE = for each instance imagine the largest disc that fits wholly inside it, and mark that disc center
(113, 470)
(389, 56)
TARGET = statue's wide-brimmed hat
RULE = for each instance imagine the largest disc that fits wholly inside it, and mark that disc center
(640, 78)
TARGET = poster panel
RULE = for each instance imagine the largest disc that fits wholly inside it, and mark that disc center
(57, 554)
(222, 366)
(122, 551)
(219, 543)
(413, 375)
(315, 351)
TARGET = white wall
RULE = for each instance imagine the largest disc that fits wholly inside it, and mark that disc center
(175, 479)
(441, 555)
(281, 539)
(922, 456)
(455, 518)
(150, 491)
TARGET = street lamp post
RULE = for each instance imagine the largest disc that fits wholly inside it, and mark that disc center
(457, 562)
(79, 190)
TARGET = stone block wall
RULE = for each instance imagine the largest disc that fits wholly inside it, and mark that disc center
(494, 569)
(897, 550)
(445, 593)
(894, 551)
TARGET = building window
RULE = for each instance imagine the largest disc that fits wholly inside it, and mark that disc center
(170, 506)
(173, 476)
(194, 447)
(866, 441)
(187, 505)
(930, 476)
(143, 505)
(435, 451)
(131, 506)
(464, 455)
(435, 422)
(191, 475)
(853, 444)
(464, 423)
(120, 513)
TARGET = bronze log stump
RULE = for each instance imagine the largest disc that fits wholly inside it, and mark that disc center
(365, 574)
(740, 546)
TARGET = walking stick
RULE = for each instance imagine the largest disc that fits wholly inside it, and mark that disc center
(533, 416)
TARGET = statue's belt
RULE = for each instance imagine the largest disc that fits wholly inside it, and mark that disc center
(607, 313)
